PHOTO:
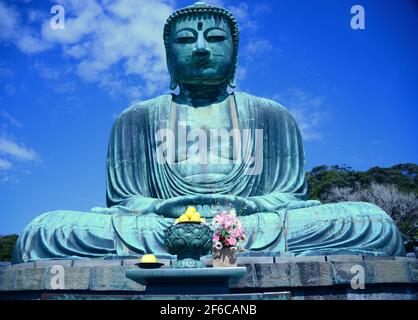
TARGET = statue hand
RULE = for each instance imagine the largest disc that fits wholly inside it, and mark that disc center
(133, 205)
(243, 206)
(175, 207)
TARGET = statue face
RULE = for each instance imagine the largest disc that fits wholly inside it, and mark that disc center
(201, 51)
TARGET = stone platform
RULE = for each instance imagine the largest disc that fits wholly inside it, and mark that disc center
(268, 277)
(175, 281)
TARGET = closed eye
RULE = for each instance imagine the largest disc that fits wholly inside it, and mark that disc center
(186, 36)
(215, 35)
(215, 38)
(185, 40)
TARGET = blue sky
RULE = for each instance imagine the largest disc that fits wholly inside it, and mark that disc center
(354, 93)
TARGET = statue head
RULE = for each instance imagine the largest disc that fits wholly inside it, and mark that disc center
(201, 43)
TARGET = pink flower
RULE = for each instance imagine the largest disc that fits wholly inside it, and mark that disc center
(231, 241)
(236, 233)
(228, 229)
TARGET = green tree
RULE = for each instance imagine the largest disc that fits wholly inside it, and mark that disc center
(322, 179)
(342, 183)
(7, 244)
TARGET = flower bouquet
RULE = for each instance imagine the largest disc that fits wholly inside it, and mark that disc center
(228, 238)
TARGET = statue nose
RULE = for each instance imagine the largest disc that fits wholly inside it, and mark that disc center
(201, 49)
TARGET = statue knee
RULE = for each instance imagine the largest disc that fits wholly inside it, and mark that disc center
(357, 209)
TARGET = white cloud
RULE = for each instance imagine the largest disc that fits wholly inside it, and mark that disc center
(308, 110)
(124, 33)
(13, 154)
(256, 48)
(240, 76)
(36, 15)
(18, 151)
(113, 43)
(8, 118)
(9, 21)
(241, 11)
(5, 165)
(247, 15)
(219, 3)
(243, 14)
(81, 18)
(14, 157)
(30, 44)
(48, 72)
(12, 29)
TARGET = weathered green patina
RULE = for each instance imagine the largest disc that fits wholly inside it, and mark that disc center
(189, 241)
(155, 168)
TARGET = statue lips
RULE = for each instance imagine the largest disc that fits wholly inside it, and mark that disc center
(201, 62)
(200, 59)
(204, 67)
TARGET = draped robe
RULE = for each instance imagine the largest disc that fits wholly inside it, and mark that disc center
(285, 222)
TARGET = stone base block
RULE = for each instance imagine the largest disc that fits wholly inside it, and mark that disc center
(331, 277)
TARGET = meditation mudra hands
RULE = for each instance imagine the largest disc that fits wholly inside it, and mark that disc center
(174, 207)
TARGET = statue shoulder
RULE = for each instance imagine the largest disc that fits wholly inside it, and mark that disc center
(143, 107)
(265, 104)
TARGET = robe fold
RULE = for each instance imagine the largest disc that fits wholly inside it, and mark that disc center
(133, 169)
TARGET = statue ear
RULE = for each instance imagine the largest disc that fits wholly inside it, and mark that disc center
(231, 82)
(173, 83)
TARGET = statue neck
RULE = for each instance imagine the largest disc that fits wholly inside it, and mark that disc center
(201, 95)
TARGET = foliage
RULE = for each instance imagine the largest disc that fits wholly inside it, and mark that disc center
(322, 179)
(394, 189)
(7, 244)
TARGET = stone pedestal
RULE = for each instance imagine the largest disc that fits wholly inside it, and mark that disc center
(187, 281)
(323, 277)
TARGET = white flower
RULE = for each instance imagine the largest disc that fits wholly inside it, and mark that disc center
(233, 212)
(218, 245)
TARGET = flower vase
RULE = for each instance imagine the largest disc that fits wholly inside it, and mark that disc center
(224, 258)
